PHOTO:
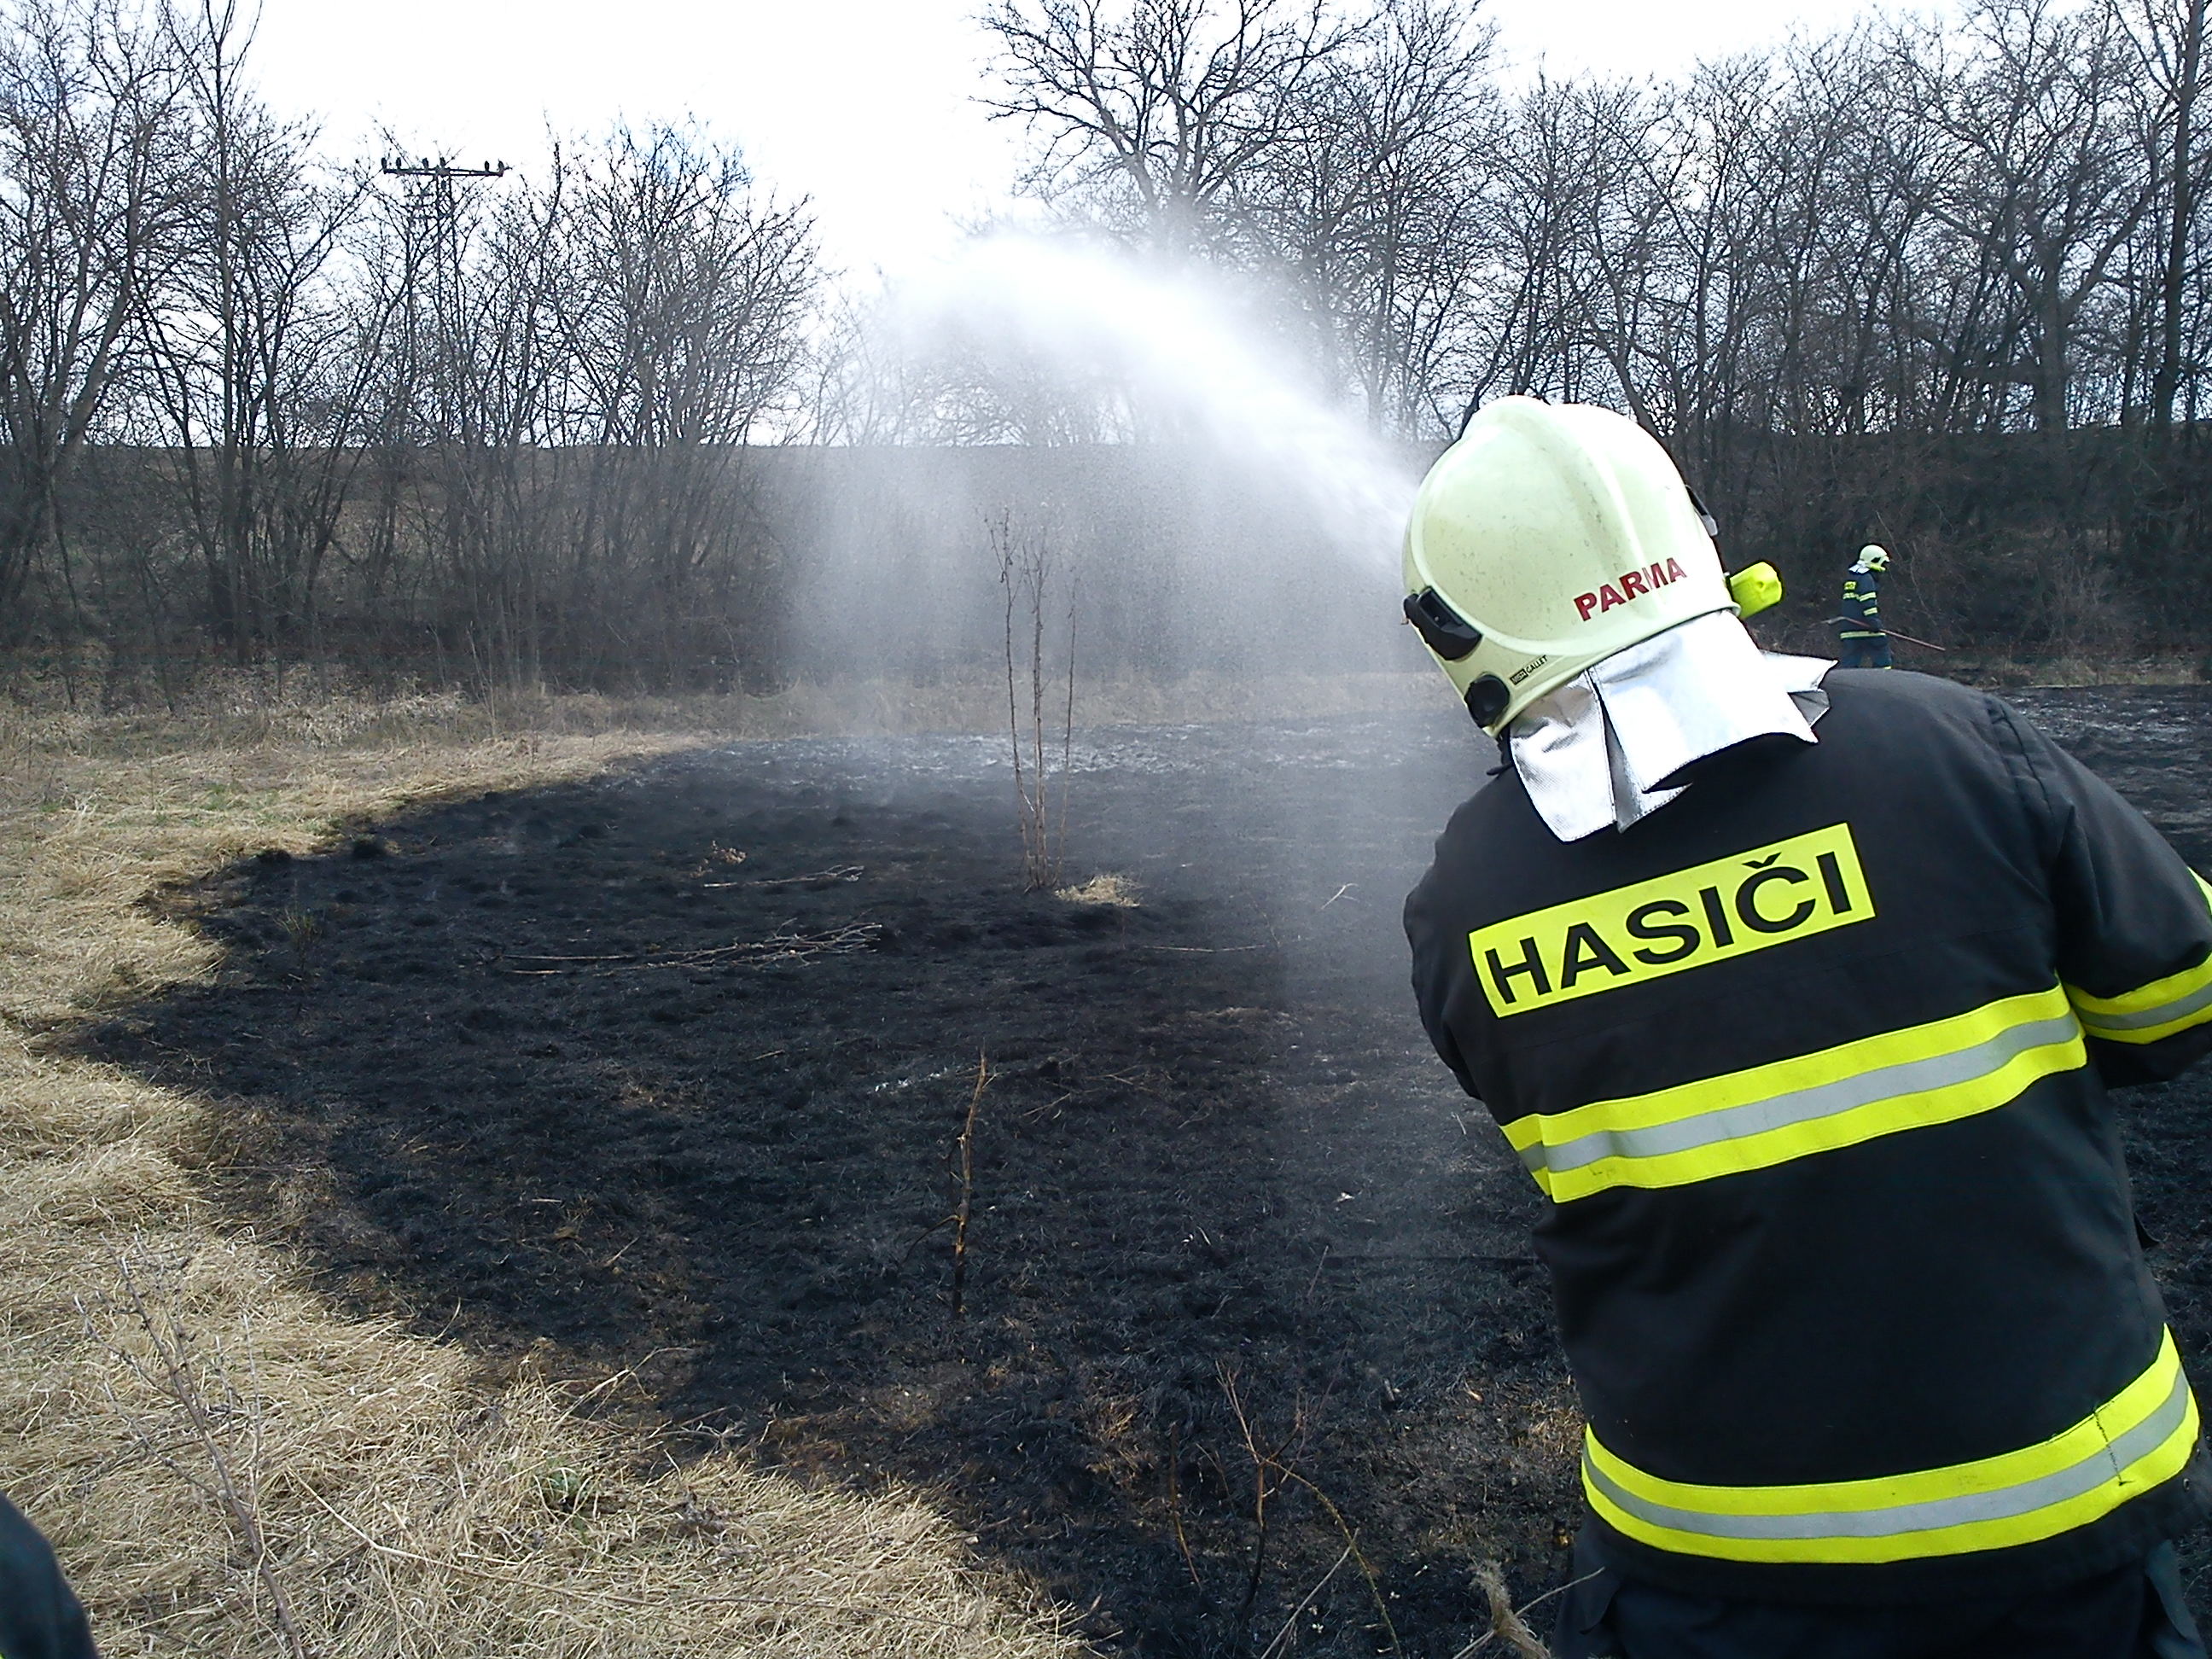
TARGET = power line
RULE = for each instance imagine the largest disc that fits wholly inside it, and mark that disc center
(400, 168)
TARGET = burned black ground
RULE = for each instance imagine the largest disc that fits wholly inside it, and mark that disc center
(562, 1071)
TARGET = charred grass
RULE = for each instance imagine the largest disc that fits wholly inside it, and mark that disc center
(1211, 1313)
(227, 1462)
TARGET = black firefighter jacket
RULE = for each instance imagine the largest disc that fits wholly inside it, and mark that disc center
(1859, 617)
(1812, 1066)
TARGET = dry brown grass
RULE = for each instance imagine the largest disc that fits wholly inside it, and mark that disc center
(2006, 673)
(1118, 890)
(227, 1466)
(979, 705)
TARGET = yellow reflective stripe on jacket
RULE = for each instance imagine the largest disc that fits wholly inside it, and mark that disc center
(1790, 1109)
(2142, 1437)
(2153, 1011)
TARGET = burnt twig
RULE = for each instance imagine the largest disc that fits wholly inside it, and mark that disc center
(1175, 1503)
(777, 947)
(836, 875)
(967, 1154)
(1289, 1624)
(1279, 1462)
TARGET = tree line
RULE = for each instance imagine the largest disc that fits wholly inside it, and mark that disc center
(262, 410)
(1943, 284)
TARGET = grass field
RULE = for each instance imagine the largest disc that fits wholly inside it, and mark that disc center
(225, 1464)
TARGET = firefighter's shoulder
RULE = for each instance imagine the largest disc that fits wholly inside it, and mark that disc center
(1889, 699)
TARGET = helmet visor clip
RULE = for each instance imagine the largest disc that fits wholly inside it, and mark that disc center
(1441, 628)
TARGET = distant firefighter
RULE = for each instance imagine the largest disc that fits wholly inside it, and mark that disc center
(1798, 992)
(1866, 643)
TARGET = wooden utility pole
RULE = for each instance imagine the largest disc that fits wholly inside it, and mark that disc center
(2167, 384)
(435, 206)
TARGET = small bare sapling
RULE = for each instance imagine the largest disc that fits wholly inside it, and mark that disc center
(1025, 571)
(1274, 1469)
(204, 1428)
(964, 1168)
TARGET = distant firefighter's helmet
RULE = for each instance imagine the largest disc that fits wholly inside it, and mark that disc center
(1872, 557)
(1548, 537)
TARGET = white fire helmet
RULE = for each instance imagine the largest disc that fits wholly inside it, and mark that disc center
(1872, 557)
(1548, 537)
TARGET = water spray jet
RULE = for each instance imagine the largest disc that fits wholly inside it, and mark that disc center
(1218, 508)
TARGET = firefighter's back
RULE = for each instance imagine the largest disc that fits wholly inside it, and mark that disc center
(1840, 1233)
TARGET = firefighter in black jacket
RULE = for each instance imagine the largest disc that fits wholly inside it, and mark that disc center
(1805, 1034)
(1858, 620)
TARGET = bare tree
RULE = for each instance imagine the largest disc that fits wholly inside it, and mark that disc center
(256, 373)
(683, 329)
(576, 366)
(2049, 131)
(91, 189)
(1158, 108)
(1367, 199)
(2172, 51)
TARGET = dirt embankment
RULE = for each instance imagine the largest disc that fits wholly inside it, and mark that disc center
(670, 1071)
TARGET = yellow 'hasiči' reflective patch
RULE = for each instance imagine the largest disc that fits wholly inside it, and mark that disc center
(1750, 901)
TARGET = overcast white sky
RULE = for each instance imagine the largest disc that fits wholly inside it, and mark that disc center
(866, 105)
